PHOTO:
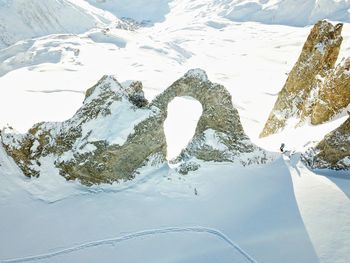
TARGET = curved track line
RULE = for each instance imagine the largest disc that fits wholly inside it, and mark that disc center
(150, 232)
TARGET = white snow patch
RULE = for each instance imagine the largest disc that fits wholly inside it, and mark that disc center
(117, 126)
(213, 140)
(101, 37)
(345, 161)
(320, 47)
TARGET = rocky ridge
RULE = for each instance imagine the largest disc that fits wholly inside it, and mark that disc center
(117, 131)
(333, 151)
(315, 91)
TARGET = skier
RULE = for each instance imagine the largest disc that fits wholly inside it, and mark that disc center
(282, 147)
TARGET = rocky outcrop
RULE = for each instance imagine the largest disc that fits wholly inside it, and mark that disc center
(315, 91)
(102, 142)
(333, 152)
(219, 135)
(334, 94)
(116, 132)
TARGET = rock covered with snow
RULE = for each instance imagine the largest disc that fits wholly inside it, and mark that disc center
(333, 152)
(219, 135)
(315, 91)
(197, 74)
(116, 132)
(95, 141)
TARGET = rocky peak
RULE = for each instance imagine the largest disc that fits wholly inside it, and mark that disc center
(197, 73)
(107, 87)
(116, 132)
(310, 76)
(219, 135)
(136, 94)
(322, 47)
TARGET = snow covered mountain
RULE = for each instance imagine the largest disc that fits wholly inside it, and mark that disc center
(25, 19)
(278, 210)
(287, 12)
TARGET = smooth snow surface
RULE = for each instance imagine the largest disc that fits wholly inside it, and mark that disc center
(278, 212)
(313, 193)
(252, 206)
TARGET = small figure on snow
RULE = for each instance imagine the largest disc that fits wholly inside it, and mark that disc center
(282, 147)
(286, 152)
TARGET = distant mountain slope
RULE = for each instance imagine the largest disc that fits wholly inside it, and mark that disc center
(23, 19)
(153, 11)
(286, 12)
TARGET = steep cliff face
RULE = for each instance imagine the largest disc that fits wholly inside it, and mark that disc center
(333, 152)
(116, 132)
(334, 94)
(311, 90)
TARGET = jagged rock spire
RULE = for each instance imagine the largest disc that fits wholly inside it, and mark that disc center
(309, 76)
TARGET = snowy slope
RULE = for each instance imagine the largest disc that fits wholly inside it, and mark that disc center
(152, 11)
(247, 212)
(287, 12)
(22, 19)
(272, 213)
(280, 212)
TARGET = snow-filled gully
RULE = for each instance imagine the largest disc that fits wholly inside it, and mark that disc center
(150, 232)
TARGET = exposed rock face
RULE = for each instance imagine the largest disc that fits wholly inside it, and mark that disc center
(333, 152)
(334, 94)
(99, 143)
(116, 132)
(311, 90)
(219, 135)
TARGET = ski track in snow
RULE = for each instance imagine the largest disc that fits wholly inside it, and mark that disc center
(134, 235)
